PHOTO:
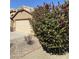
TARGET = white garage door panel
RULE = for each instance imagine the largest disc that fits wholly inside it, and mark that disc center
(23, 26)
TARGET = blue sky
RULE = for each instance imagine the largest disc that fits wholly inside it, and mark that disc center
(31, 3)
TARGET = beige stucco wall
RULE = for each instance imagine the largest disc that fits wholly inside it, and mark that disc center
(23, 15)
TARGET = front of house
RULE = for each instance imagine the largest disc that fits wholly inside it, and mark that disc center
(20, 21)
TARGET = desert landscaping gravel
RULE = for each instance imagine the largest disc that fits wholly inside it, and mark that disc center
(20, 49)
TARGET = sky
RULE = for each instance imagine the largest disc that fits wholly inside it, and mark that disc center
(31, 3)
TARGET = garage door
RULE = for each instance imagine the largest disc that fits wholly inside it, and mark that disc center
(24, 26)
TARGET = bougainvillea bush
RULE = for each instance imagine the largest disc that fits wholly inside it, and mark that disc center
(51, 26)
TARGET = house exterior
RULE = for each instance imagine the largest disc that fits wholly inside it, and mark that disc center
(20, 20)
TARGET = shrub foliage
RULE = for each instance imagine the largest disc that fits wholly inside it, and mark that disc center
(51, 26)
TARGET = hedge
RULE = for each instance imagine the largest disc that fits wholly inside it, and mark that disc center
(51, 26)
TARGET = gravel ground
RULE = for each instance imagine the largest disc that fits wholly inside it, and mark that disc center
(20, 49)
(40, 54)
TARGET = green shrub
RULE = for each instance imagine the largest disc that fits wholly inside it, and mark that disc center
(51, 26)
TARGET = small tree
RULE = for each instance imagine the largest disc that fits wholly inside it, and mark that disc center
(51, 26)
